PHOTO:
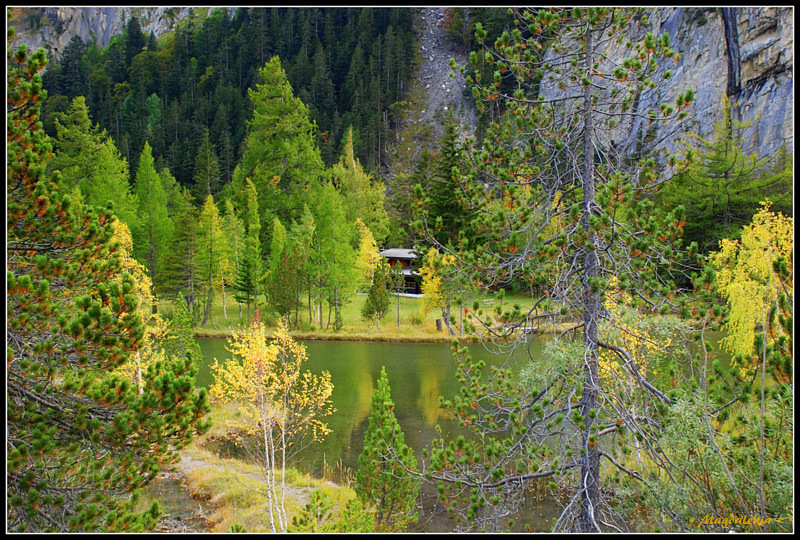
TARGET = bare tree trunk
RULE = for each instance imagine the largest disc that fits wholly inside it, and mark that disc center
(153, 269)
(222, 283)
(590, 469)
(446, 317)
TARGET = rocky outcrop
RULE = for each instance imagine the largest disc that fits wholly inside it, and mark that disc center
(744, 53)
(52, 28)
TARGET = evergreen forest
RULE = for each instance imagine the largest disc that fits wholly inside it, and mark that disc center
(234, 177)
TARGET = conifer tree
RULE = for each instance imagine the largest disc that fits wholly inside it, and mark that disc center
(363, 196)
(721, 186)
(243, 283)
(383, 481)
(377, 302)
(180, 342)
(561, 211)
(252, 241)
(280, 154)
(246, 282)
(207, 178)
(233, 230)
(333, 255)
(279, 272)
(210, 242)
(88, 159)
(181, 263)
(154, 233)
(447, 211)
(81, 441)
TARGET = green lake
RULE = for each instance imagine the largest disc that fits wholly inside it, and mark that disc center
(418, 374)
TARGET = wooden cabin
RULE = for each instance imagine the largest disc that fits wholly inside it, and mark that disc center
(406, 258)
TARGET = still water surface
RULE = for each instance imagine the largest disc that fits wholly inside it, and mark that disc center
(418, 374)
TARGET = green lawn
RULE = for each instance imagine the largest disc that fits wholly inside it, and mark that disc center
(414, 324)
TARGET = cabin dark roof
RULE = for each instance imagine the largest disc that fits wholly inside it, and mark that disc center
(398, 253)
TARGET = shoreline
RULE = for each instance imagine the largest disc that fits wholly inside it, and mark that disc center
(301, 336)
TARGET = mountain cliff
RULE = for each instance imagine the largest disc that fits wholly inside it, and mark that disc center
(745, 52)
(53, 27)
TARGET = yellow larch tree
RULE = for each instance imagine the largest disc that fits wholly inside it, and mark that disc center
(156, 328)
(756, 277)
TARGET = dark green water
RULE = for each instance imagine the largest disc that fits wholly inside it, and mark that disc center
(418, 374)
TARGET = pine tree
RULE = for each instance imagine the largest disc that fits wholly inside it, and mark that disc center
(383, 480)
(81, 441)
(447, 214)
(206, 170)
(181, 263)
(565, 214)
(134, 39)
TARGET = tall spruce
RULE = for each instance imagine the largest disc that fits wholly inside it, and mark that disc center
(447, 205)
(280, 155)
(207, 177)
(181, 263)
(81, 441)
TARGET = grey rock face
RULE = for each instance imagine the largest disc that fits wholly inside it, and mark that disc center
(752, 60)
(753, 64)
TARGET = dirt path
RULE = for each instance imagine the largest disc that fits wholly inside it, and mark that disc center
(185, 509)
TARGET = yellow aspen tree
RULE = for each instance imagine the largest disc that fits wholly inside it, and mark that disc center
(437, 290)
(281, 407)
